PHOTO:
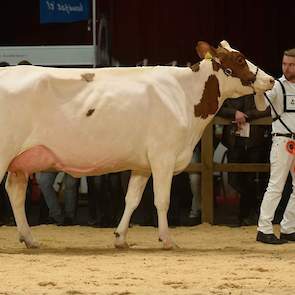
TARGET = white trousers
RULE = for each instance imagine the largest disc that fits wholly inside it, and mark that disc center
(281, 163)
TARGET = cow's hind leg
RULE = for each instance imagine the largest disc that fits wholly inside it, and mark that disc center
(162, 172)
(135, 190)
(16, 186)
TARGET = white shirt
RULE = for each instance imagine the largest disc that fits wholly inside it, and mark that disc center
(277, 98)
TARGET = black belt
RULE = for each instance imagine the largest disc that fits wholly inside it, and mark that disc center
(289, 135)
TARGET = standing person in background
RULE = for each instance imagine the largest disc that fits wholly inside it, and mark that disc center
(4, 64)
(195, 213)
(251, 147)
(24, 62)
(282, 157)
(105, 200)
(6, 215)
(56, 215)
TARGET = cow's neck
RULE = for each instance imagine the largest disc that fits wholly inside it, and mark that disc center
(212, 91)
(211, 88)
(207, 102)
(204, 96)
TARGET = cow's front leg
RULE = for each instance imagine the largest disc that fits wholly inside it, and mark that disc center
(135, 190)
(16, 186)
(162, 177)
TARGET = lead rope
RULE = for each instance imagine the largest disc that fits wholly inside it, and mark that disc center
(277, 117)
(290, 146)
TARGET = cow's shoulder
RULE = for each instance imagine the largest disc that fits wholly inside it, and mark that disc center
(208, 104)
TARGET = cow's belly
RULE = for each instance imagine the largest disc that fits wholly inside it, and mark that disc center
(41, 158)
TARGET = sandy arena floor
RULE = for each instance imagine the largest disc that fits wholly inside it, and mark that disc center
(82, 260)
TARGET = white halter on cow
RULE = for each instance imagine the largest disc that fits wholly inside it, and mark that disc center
(95, 121)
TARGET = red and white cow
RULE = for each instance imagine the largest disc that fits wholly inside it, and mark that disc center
(95, 121)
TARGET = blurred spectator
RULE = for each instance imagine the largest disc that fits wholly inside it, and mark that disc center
(195, 216)
(246, 144)
(6, 214)
(105, 200)
(56, 214)
(24, 62)
(4, 64)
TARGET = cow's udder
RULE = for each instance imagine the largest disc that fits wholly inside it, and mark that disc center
(41, 158)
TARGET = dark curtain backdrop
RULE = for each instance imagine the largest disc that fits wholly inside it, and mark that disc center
(165, 30)
(20, 25)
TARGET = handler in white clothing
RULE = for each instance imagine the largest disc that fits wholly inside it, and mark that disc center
(282, 158)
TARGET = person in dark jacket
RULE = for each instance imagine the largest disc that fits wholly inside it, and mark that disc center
(246, 144)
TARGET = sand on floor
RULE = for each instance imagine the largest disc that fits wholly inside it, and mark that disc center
(82, 260)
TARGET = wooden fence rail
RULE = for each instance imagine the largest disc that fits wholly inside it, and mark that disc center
(207, 167)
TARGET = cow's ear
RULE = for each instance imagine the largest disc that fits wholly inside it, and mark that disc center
(204, 49)
(224, 44)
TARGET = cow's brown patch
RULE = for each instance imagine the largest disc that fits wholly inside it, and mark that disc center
(236, 62)
(90, 112)
(195, 67)
(209, 101)
(216, 66)
(233, 63)
(88, 77)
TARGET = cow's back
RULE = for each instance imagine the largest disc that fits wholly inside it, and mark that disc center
(108, 122)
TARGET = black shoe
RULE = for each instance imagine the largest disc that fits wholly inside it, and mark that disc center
(10, 222)
(288, 237)
(191, 221)
(68, 221)
(51, 220)
(248, 221)
(269, 239)
(91, 222)
(173, 222)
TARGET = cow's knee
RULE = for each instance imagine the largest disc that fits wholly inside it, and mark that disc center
(162, 204)
(132, 202)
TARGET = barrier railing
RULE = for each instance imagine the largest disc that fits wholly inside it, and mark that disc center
(207, 167)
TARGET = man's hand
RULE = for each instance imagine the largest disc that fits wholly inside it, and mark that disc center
(240, 119)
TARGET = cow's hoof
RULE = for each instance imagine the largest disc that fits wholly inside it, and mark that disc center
(121, 245)
(30, 244)
(169, 245)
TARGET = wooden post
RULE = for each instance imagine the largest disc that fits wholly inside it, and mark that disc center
(207, 167)
(207, 175)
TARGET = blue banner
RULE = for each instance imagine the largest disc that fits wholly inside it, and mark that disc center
(63, 11)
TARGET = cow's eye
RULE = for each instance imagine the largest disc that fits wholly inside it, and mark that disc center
(228, 72)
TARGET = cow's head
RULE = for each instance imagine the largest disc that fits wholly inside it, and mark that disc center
(246, 78)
